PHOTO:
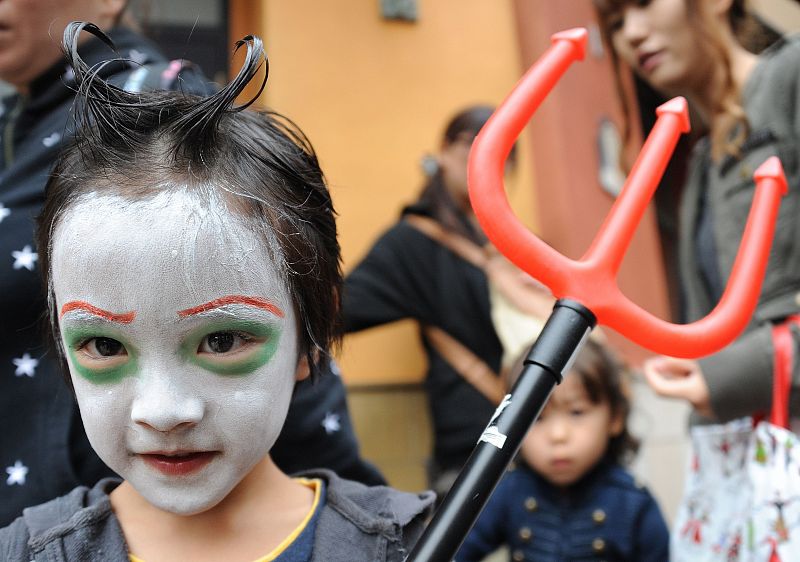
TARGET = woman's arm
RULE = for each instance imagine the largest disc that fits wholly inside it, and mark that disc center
(397, 279)
(729, 384)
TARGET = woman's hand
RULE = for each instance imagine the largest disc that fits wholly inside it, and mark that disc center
(679, 378)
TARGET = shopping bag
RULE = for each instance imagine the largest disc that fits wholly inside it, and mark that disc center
(741, 499)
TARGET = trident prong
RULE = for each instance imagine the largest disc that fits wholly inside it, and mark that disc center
(586, 288)
(592, 279)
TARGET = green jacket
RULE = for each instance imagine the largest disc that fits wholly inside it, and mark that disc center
(740, 376)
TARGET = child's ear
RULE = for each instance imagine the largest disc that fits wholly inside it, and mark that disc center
(303, 369)
(617, 425)
(721, 7)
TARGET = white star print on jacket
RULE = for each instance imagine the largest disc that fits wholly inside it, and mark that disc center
(16, 474)
(51, 139)
(4, 212)
(26, 365)
(24, 258)
(331, 423)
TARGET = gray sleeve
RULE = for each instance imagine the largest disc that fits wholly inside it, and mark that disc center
(739, 377)
(14, 542)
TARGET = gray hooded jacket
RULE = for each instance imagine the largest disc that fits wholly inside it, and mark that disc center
(357, 523)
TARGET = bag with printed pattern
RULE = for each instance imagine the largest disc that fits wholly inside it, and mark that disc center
(742, 496)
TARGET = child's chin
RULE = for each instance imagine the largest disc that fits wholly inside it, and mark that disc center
(183, 501)
(561, 480)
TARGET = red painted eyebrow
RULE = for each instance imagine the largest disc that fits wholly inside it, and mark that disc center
(233, 299)
(123, 318)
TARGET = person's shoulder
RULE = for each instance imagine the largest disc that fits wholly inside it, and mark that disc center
(774, 81)
(617, 480)
(783, 52)
(520, 477)
(52, 520)
(626, 501)
(412, 227)
(374, 508)
(519, 488)
(402, 241)
(360, 518)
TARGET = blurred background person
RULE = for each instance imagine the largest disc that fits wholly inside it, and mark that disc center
(570, 497)
(748, 109)
(435, 266)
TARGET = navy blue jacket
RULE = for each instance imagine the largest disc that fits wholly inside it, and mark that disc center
(605, 516)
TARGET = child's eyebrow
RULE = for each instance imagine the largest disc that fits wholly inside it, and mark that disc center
(122, 318)
(233, 299)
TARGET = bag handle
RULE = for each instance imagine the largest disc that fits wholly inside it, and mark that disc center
(462, 247)
(462, 360)
(469, 366)
(783, 344)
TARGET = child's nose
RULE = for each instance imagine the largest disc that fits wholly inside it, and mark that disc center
(558, 429)
(165, 405)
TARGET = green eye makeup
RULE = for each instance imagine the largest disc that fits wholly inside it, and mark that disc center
(109, 370)
(260, 342)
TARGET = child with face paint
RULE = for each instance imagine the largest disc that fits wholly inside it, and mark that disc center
(570, 497)
(190, 255)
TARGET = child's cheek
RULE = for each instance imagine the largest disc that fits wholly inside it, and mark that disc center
(253, 407)
(104, 412)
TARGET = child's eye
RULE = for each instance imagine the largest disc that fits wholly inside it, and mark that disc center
(224, 342)
(576, 412)
(100, 359)
(233, 348)
(99, 348)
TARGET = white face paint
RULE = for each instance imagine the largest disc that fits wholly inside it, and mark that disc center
(181, 341)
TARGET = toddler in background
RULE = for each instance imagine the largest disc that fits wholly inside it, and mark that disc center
(570, 497)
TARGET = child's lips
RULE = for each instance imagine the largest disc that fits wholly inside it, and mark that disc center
(561, 464)
(178, 463)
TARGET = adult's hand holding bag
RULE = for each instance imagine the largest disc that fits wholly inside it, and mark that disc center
(742, 495)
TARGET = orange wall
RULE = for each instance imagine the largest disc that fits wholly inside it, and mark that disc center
(374, 96)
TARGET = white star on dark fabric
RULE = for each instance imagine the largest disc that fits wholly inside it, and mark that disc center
(331, 423)
(4, 211)
(26, 365)
(24, 258)
(51, 139)
(137, 56)
(16, 474)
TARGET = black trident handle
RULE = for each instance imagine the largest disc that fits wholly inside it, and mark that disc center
(544, 367)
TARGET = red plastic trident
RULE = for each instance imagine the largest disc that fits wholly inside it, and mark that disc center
(592, 279)
(586, 288)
